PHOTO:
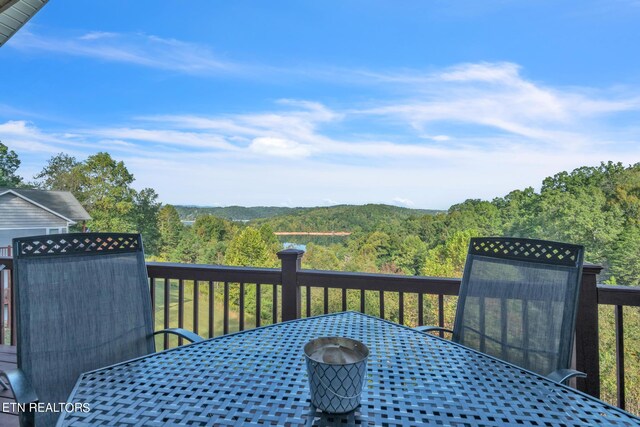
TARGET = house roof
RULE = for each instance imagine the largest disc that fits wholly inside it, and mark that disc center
(14, 14)
(62, 203)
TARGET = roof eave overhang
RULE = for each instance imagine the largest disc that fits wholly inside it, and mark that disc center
(69, 220)
(16, 13)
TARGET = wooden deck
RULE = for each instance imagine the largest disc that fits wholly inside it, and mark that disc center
(7, 361)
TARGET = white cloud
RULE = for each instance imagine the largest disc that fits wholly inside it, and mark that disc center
(483, 72)
(23, 136)
(440, 138)
(162, 136)
(496, 99)
(139, 49)
(279, 147)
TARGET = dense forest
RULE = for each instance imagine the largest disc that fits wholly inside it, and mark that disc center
(596, 206)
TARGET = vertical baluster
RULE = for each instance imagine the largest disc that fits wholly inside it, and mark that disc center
(167, 306)
(225, 319)
(258, 306)
(11, 309)
(420, 309)
(180, 308)
(441, 313)
(196, 305)
(620, 356)
(344, 299)
(274, 314)
(326, 300)
(211, 307)
(308, 301)
(525, 331)
(503, 325)
(241, 308)
(381, 294)
(481, 322)
(401, 308)
(152, 289)
(362, 305)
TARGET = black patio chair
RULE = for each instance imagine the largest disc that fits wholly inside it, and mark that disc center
(518, 302)
(82, 303)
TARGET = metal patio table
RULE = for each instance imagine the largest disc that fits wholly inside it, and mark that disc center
(258, 377)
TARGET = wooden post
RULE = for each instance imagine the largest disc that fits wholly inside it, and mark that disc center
(587, 357)
(290, 259)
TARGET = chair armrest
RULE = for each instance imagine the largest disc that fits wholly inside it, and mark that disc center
(432, 329)
(19, 385)
(188, 335)
(561, 375)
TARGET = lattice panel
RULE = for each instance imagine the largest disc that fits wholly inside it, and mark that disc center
(65, 244)
(258, 377)
(527, 250)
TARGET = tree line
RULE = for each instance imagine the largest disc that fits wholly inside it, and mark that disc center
(598, 207)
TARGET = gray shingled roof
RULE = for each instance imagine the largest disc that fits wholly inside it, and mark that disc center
(61, 202)
(14, 14)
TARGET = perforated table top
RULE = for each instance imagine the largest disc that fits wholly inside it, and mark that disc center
(258, 377)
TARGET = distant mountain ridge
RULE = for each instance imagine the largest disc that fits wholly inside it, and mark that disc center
(233, 213)
(325, 218)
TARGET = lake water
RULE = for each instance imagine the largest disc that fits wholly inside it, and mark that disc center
(301, 242)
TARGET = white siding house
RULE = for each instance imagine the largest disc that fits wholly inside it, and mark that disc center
(26, 212)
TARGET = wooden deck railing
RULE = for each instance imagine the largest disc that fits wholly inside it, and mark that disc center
(215, 300)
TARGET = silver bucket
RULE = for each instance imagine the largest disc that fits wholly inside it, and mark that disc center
(337, 369)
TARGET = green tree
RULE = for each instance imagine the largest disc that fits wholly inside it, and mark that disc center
(146, 212)
(170, 229)
(107, 187)
(249, 248)
(186, 249)
(583, 216)
(518, 212)
(61, 173)
(625, 258)
(479, 215)
(211, 228)
(411, 256)
(319, 257)
(270, 238)
(9, 164)
(103, 186)
(448, 259)
(213, 234)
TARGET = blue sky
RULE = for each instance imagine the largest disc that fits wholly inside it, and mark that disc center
(309, 103)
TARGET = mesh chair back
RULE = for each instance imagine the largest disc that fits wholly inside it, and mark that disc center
(82, 303)
(518, 301)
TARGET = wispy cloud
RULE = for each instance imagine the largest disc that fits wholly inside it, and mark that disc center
(497, 98)
(23, 136)
(132, 48)
(184, 140)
